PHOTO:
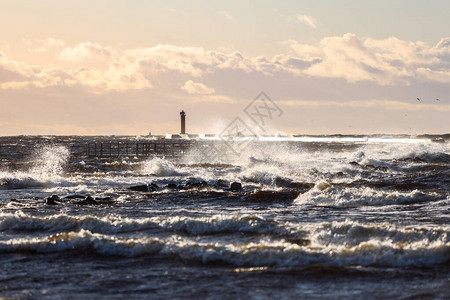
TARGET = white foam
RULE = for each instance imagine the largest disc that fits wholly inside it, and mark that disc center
(341, 244)
(325, 194)
(160, 167)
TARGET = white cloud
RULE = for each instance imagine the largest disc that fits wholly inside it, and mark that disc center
(308, 20)
(351, 58)
(225, 14)
(85, 50)
(387, 61)
(192, 87)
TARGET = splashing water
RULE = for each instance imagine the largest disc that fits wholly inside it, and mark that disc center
(159, 167)
(51, 162)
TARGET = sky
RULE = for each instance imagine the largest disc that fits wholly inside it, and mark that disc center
(104, 67)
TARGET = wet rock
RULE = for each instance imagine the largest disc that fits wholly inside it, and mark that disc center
(144, 188)
(56, 198)
(221, 183)
(154, 186)
(271, 196)
(197, 184)
(91, 200)
(288, 183)
(87, 201)
(236, 187)
(139, 188)
(339, 175)
(354, 163)
(382, 169)
(51, 200)
(103, 199)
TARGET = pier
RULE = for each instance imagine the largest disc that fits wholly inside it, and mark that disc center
(166, 148)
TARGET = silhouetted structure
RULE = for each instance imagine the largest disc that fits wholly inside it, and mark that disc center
(183, 122)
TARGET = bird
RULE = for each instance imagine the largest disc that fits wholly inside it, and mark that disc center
(418, 99)
(437, 99)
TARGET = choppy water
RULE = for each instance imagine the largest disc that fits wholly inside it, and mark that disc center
(315, 219)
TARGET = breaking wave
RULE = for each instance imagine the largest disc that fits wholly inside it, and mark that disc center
(45, 171)
(204, 225)
(333, 244)
(325, 193)
(160, 167)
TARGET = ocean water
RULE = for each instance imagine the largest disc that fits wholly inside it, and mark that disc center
(317, 217)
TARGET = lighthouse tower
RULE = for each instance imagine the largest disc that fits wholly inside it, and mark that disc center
(183, 122)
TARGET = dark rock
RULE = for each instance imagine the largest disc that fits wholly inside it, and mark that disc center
(154, 186)
(50, 201)
(144, 188)
(87, 201)
(382, 168)
(221, 183)
(90, 200)
(339, 174)
(140, 188)
(288, 183)
(271, 196)
(354, 163)
(197, 184)
(56, 198)
(236, 187)
(103, 199)
(172, 186)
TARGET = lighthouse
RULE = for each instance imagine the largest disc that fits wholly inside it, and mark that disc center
(183, 122)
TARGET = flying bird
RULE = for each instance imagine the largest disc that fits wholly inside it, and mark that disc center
(418, 99)
(437, 99)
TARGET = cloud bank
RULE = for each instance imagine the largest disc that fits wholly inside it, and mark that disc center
(349, 72)
(351, 58)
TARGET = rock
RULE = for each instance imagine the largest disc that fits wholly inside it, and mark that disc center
(197, 184)
(172, 186)
(221, 183)
(140, 188)
(339, 174)
(154, 186)
(288, 183)
(236, 187)
(104, 199)
(50, 201)
(271, 196)
(87, 201)
(354, 163)
(56, 198)
(91, 200)
(382, 169)
(144, 188)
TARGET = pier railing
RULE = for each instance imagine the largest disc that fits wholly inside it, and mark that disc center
(138, 149)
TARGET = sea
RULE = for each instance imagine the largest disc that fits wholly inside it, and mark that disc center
(310, 217)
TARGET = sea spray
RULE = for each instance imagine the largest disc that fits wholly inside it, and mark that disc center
(160, 167)
(51, 161)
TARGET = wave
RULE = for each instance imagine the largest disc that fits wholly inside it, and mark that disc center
(160, 167)
(45, 171)
(325, 193)
(196, 226)
(332, 244)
